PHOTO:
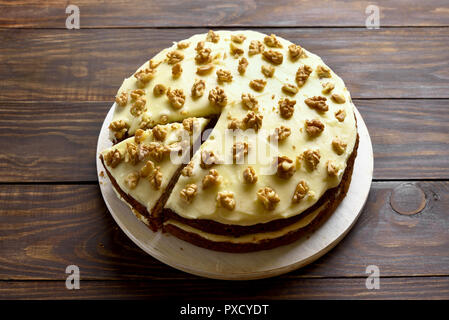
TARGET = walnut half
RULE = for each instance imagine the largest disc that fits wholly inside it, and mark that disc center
(268, 197)
(225, 199)
(189, 192)
(301, 191)
(285, 167)
(318, 103)
(249, 175)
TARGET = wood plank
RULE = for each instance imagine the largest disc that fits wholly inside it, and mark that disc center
(169, 13)
(277, 288)
(56, 141)
(89, 65)
(45, 228)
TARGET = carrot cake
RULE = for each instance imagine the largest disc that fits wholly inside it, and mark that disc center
(277, 161)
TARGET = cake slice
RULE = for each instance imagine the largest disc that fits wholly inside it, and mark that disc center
(143, 169)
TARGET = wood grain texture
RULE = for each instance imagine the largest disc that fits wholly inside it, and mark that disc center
(45, 228)
(56, 141)
(90, 65)
(202, 289)
(172, 13)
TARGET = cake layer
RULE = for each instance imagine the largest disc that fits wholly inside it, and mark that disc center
(260, 234)
(143, 168)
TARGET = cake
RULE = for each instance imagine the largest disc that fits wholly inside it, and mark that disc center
(276, 162)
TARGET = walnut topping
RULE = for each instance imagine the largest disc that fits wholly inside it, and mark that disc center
(212, 37)
(159, 133)
(163, 119)
(176, 70)
(145, 122)
(122, 99)
(183, 45)
(285, 167)
(203, 56)
(113, 158)
(274, 57)
(189, 124)
(203, 70)
(249, 175)
(314, 127)
(144, 76)
(286, 108)
(211, 179)
(157, 151)
(243, 64)
(224, 75)
(267, 71)
(303, 74)
(234, 124)
(312, 158)
(132, 180)
(338, 98)
(272, 41)
(199, 46)
(138, 106)
(290, 89)
(340, 115)
(176, 98)
(154, 64)
(198, 88)
(318, 103)
(281, 133)
(147, 169)
(159, 89)
(239, 151)
(238, 38)
(301, 191)
(187, 171)
(268, 197)
(225, 199)
(139, 136)
(327, 87)
(296, 52)
(252, 120)
(218, 97)
(255, 47)
(131, 155)
(174, 57)
(136, 94)
(332, 169)
(323, 72)
(339, 146)
(258, 84)
(189, 192)
(156, 179)
(249, 101)
(119, 127)
(235, 50)
(208, 159)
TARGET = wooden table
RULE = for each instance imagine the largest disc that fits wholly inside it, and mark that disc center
(56, 86)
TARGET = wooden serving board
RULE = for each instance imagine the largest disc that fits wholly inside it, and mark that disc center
(256, 265)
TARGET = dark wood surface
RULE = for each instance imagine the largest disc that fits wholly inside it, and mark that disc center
(56, 86)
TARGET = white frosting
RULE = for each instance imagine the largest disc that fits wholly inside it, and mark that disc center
(144, 192)
(248, 209)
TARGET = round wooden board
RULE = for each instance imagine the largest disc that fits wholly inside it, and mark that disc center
(244, 266)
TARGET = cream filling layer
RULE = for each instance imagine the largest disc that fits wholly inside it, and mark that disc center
(249, 238)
